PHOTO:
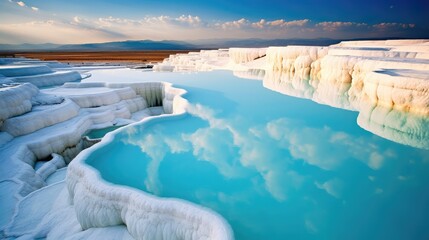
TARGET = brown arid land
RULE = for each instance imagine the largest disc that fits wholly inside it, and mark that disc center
(149, 56)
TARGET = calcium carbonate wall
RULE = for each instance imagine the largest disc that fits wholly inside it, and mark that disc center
(40, 124)
(381, 80)
(16, 100)
(100, 204)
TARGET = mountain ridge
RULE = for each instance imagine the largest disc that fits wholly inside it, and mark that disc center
(139, 45)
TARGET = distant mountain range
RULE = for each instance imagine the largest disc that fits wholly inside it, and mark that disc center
(256, 42)
(108, 46)
(167, 45)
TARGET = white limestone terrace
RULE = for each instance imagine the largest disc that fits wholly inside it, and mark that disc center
(387, 82)
(393, 124)
(39, 73)
(383, 80)
(204, 60)
(99, 203)
(41, 132)
(391, 73)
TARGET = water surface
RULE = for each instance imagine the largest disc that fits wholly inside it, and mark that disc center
(101, 132)
(274, 166)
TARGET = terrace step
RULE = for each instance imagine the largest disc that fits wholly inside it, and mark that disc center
(24, 70)
(50, 79)
(40, 117)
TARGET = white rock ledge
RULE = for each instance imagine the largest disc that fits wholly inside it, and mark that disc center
(99, 203)
(50, 79)
(386, 81)
(24, 70)
(369, 68)
(39, 119)
(16, 100)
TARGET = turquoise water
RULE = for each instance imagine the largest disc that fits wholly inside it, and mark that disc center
(100, 133)
(274, 166)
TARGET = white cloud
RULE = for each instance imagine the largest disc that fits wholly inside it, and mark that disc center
(177, 145)
(329, 154)
(258, 151)
(385, 26)
(375, 160)
(280, 23)
(20, 3)
(55, 31)
(207, 147)
(259, 24)
(185, 27)
(271, 150)
(335, 26)
(332, 187)
(24, 5)
(277, 22)
(191, 20)
(151, 21)
(234, 24)
(283, 23)
(76, 19)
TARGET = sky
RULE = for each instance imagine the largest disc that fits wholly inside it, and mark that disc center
(90, 21)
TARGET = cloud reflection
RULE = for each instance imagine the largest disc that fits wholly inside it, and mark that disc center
(398, 126)
(272, 150)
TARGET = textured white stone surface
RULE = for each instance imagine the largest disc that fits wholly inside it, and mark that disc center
(53, 123)
(384, 81)
(16, 100)
(391, 73)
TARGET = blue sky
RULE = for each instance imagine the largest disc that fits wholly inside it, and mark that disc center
(78, 21)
